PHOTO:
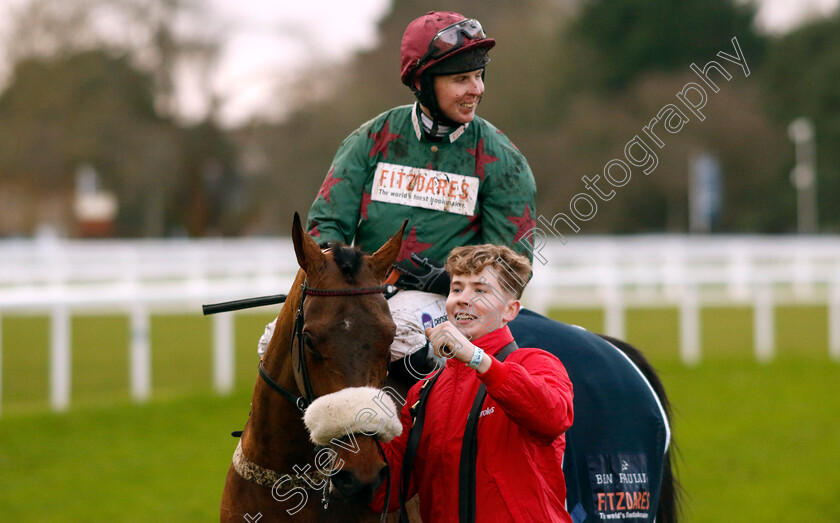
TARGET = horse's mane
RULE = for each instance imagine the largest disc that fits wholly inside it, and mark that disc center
(348, 259)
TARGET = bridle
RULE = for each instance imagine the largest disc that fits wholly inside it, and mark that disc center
(302, 402)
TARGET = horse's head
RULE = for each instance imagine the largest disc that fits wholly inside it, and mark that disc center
(342, 347)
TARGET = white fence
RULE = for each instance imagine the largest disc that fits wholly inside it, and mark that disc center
(615, 273)
(137, 278)
(61, 279)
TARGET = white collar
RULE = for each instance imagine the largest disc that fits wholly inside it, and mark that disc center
(418, 129)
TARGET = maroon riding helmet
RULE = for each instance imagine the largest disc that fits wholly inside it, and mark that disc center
(438, 43)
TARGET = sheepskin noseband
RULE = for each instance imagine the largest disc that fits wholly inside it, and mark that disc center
(354, 410)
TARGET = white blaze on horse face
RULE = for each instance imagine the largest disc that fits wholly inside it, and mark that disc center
(346, 324)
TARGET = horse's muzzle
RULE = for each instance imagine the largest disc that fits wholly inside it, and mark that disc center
(350, 488)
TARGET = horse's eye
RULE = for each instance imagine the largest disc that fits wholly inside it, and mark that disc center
(310, 346)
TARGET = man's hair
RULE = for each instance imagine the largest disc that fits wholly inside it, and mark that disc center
(512, 270)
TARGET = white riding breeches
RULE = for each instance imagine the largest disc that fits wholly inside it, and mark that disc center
(412, 311)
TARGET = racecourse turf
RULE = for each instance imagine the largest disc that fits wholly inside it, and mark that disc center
(758, 442)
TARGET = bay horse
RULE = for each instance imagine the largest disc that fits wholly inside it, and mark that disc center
(330, 345)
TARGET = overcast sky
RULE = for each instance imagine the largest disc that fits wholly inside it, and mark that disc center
(267, 41)
(254, 49)
(257, 56)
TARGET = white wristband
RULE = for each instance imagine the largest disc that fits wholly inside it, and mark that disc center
(477, 358)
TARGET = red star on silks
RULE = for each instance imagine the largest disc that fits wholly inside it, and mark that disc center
(380, 141)
(481, 159)
(475, 225)
(365, 203)
(411, 244)
(329, 181)
(314, 231)
(523, 223)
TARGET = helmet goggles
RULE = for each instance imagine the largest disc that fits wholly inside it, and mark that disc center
(451, 38)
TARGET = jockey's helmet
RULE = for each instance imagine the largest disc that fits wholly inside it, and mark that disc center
(439, 43)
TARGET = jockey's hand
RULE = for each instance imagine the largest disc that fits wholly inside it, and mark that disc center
(428, 276)
(449, 342)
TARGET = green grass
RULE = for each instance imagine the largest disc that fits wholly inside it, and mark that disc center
(758, 442)
(181, 358)
(165, 461)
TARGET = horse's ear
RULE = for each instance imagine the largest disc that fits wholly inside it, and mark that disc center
(307, 251)
(381, 260)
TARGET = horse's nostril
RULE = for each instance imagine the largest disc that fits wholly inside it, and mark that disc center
(344, 481)
(351, 488)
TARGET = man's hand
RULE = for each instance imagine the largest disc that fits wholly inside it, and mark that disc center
(449, 342)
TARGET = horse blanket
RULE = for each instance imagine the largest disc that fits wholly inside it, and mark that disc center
(615, 448)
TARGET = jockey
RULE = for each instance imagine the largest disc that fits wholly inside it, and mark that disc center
(454, 176)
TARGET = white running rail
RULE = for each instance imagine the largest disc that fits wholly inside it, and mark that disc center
(612, 273)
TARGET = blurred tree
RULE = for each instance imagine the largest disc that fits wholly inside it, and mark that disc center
(208, 200)
(749, 146)
(631, 37)
(800, 79)
(89, 108)
(149, 35)
(618, 63)
(96, 108)
(80, 92)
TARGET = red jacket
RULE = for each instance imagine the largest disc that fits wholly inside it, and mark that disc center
(519, 475)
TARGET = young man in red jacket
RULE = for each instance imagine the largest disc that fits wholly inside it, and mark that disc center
(519, 441)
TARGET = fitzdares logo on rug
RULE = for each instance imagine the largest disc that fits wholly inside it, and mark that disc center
(619, 486)
(425, 188)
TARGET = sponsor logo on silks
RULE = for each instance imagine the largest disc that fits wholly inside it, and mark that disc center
(428, 321)
(620, 487)
(426, 188)
(487, 411)
(426, 318)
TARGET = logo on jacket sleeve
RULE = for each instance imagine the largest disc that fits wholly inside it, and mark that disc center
(426, 188)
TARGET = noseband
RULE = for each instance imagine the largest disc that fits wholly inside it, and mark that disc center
(302, 402)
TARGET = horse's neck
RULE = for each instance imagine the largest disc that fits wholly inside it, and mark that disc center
(275, 436)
